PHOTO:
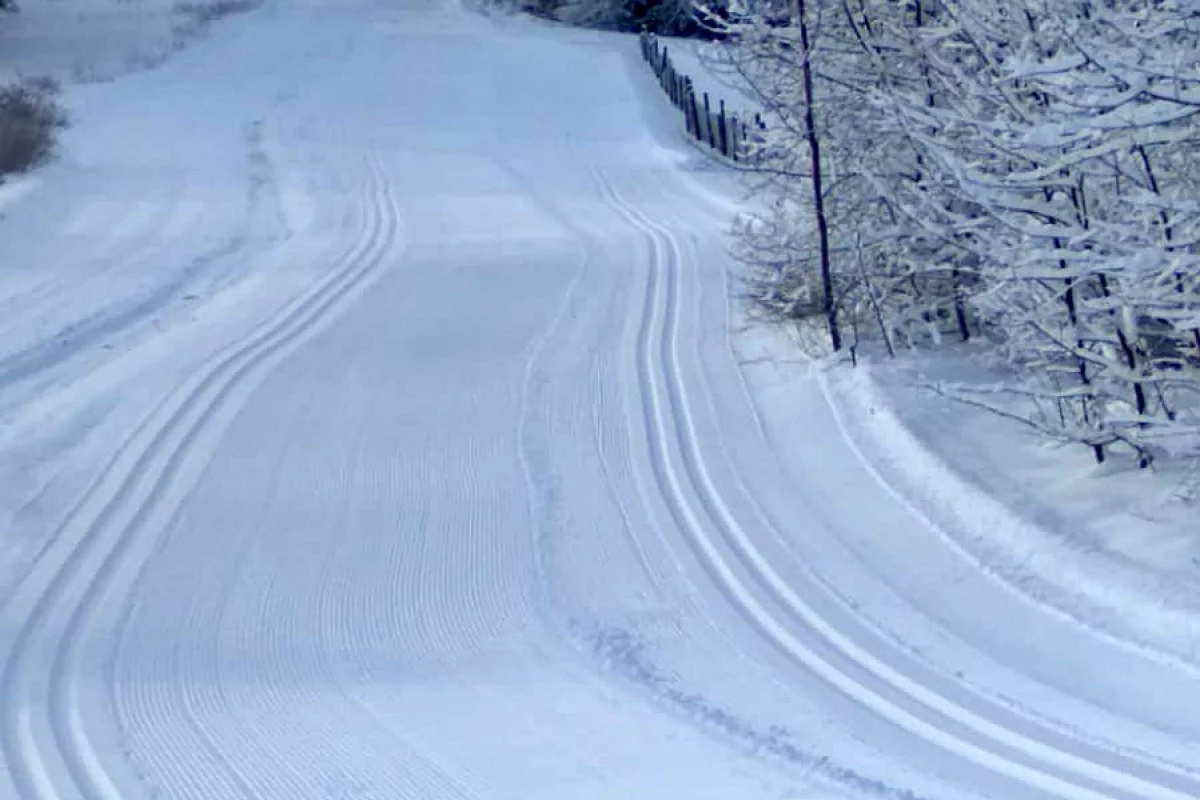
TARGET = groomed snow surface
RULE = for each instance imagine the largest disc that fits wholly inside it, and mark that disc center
(378, 420)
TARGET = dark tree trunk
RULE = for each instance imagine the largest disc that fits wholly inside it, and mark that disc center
(800, 10)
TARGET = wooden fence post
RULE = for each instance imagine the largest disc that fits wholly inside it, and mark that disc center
(688, 97)
(724, 133)
(708, 126)
(721, 131)
(694, 109)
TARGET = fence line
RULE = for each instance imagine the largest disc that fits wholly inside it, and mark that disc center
(723, 132)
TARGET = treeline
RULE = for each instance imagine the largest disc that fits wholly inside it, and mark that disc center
(663, 17)
(1019, 172)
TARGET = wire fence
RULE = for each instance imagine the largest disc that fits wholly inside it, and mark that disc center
(707, 121)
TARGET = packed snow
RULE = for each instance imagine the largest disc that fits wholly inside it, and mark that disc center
(379, 418)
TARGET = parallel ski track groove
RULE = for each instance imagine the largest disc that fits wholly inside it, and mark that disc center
(215, 703)
(1089, 738)
(192, 694)
(661, 315)
(106, 523)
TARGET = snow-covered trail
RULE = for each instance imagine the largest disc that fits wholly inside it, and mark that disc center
(462, 477)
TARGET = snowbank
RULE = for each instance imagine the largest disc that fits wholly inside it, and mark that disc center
(1116, 549)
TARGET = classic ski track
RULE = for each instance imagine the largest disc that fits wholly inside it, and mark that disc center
(108, 251)
(655, 576)
(718, 214)
(590, 243)
(220, 705)
(659, 509)
(364, 251)
(661, 302)
(276, 705)
(206, 696)
(1017, 707)
(1061, 727)
(134, 495)
(417, 773)
(367, 231)
(1142, 647)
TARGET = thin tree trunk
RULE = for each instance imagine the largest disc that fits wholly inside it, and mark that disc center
(1166, 221)
(800, 10)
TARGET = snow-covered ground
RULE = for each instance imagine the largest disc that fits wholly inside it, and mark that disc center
(1114, 546)
(378, 420)
(87, 41)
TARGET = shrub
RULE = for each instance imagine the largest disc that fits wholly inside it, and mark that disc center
(204, 14)
(30, 119)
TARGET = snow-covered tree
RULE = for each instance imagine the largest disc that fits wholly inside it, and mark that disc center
(1017, 168)
(1059, 164)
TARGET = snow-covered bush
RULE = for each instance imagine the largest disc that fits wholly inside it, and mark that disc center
(1019, 170)
(30, 120)
(194, 17)
(667, 17)
(209, 12)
